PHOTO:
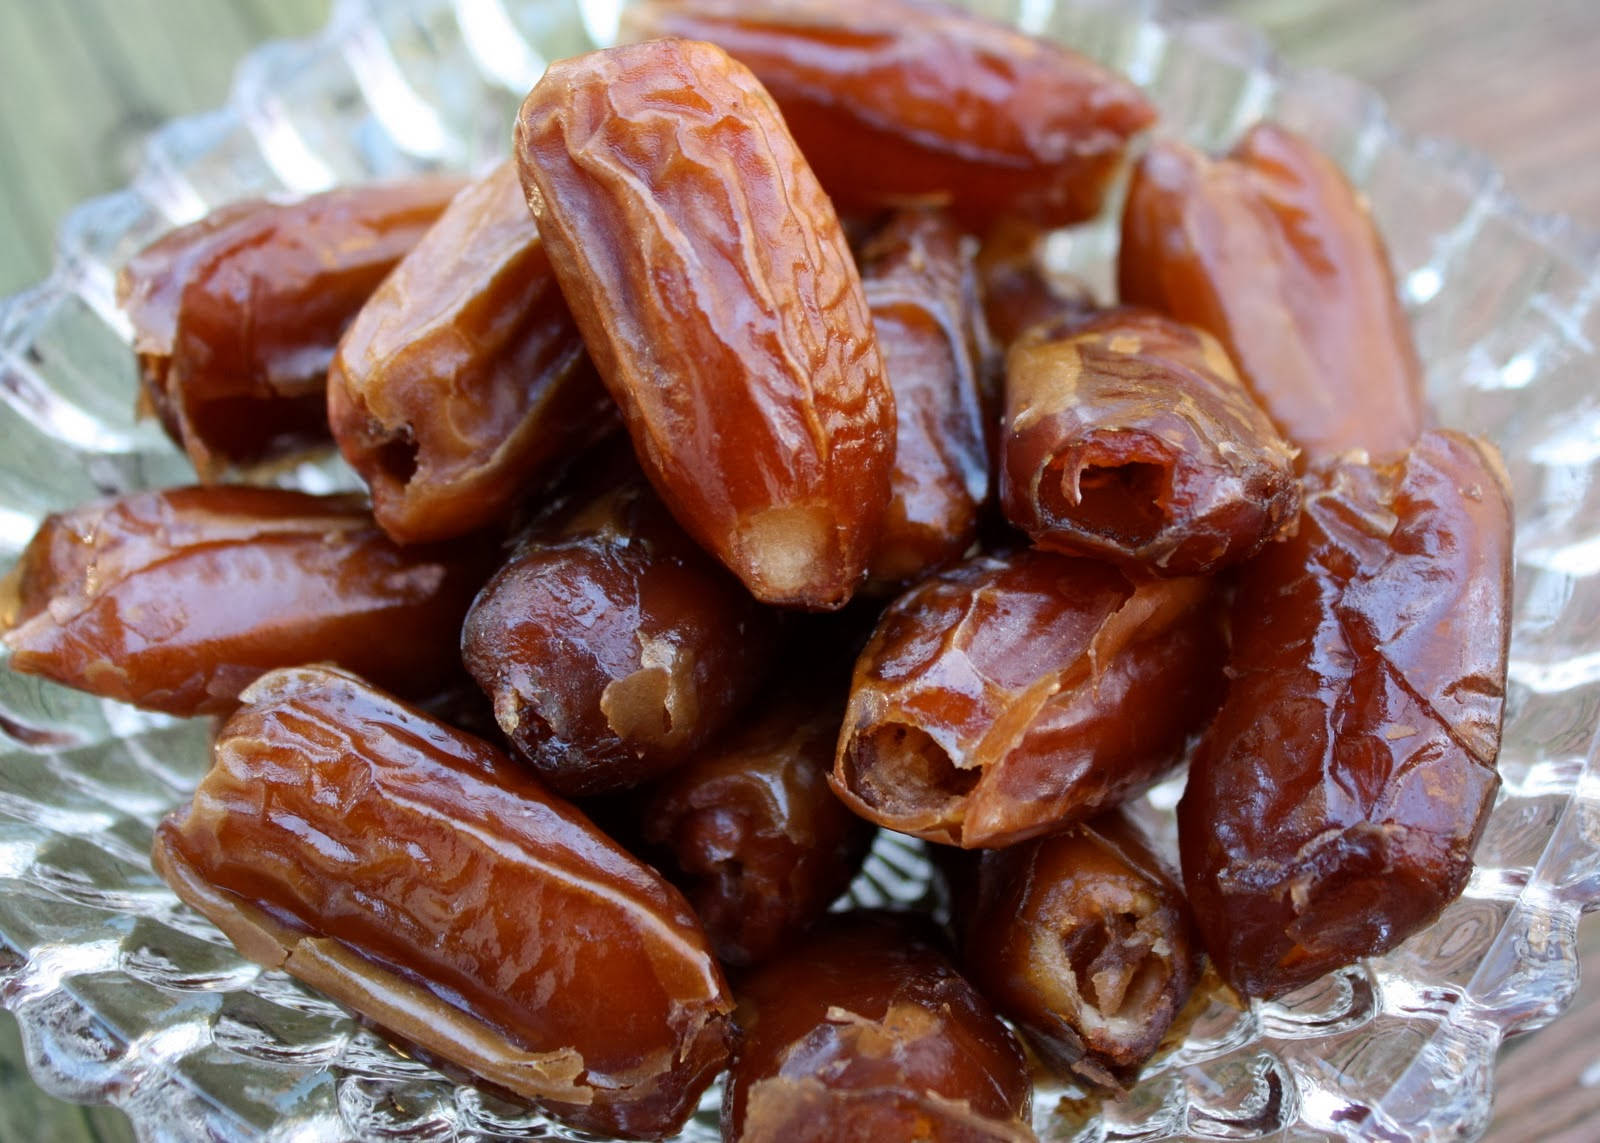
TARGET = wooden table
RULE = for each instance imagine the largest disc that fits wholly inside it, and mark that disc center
(80, 80)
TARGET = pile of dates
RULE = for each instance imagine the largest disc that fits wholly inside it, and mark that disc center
(753, 327)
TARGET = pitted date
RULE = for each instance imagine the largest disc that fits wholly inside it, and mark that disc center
(1273, 252)
(1018, 693)
(751, 831)
(900, 102)
(1333, 806)
(1128, 437)
(176, 600)
(1084, 941)
(922, 291)
(612, 647)
(867, 1032)
(420, 877)
(235, 317)
(713, 286)
(462, 385)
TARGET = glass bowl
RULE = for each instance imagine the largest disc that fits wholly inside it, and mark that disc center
(125, 996)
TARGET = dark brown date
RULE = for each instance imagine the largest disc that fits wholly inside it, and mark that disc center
(867, 1033)
(611, 646)
(176, 600)
(1333, 806)
(462, 384)
(922, 291)
(751, 832)
(235, 317)
(711, 280)
(417, 875)
(1084, 941)
(1018, 693)
(901, 102)
(1128, 436)
(1272, 251)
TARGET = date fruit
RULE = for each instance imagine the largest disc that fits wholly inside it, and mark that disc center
(612, 647)
(1018, 693)
(1128, 437)
(867, 1033)
(1084, 941)
(1333, 806)
(1019, 291)
(711, 280)
(462, 386)
(417, 875)
(176, 600)
(1273, 252)
(901, 102)
(236, 316)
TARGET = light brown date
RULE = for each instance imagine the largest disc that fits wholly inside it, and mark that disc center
(711, 280)
(417, 875)
(236, 316)
(462, 386)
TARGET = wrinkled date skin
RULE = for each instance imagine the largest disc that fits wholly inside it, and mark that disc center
(712, 282)
(176, 600)
(1272, 251)
(899, 102)
(1018, 693)
(867, 1033)
(463, 384)
(1128, 436)
(236, 316)
(752, 833)
(1333, 806)
(611, 646)
(1084, 941)
(922, 290)
(417, 875)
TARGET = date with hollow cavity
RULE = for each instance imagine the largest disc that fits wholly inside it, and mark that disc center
(462, 386)
(713, 285)
(1017, 693)
(906, 102)
(176, 600)
(417, 875)
(235, 317)
(1129, 437)
(1333, 806)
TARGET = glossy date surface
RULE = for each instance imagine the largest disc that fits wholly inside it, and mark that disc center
(462, 386)
(417, 875)
(903, 102)
(1333, 806)
(235, 317)
(711, 280)
(1128, 437)
(175, 600)
(1017, 693)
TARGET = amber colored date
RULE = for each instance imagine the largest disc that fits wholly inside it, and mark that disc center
(867, 1032)
(1128, 436)
(611, 646)
(900, 102)
(922, 291)
(462, 385)
(1084, 941)
(711, 280)
(176, 600)
(1018, 693)
(420, 877)
(1333, 806)
(1273, 252)
(1019, 291)
(236, 316)
(751, 832)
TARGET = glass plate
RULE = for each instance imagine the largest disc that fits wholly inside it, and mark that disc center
(125, 996)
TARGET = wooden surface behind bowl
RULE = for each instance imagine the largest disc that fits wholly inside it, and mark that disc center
(82, 80)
